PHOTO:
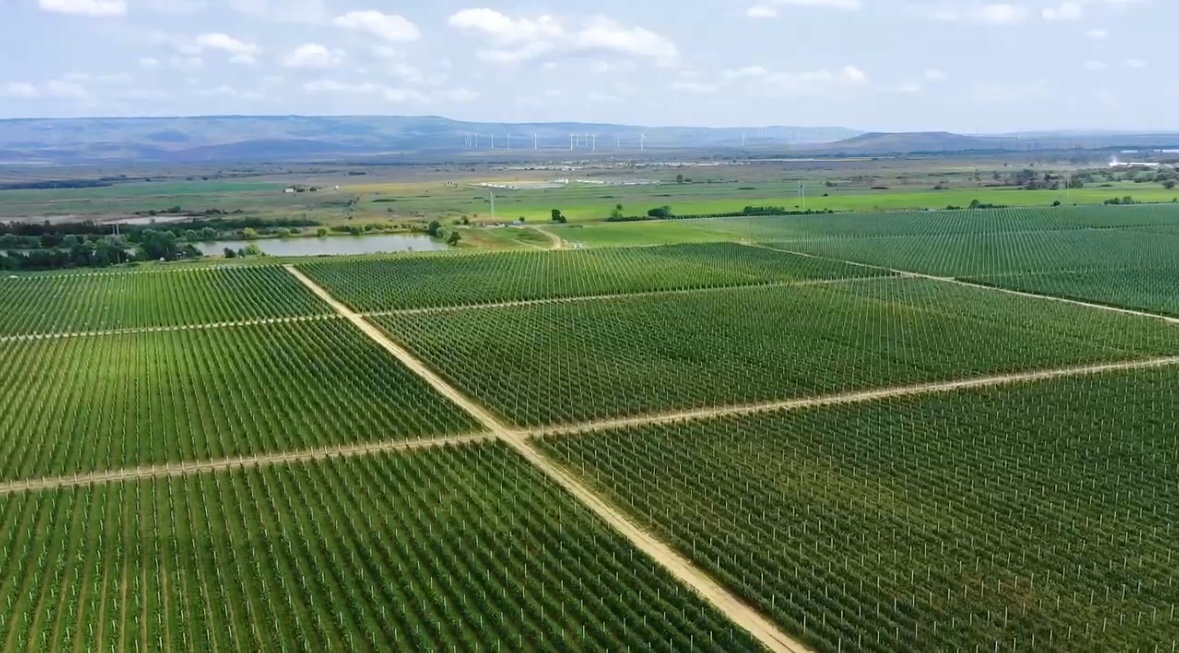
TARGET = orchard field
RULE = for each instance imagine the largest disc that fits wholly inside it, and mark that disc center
(575, 362)
(1034, 518)
(817, 433)
(457, 548)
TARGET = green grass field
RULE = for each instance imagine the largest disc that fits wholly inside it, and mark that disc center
(465, 549)
(1035, 518)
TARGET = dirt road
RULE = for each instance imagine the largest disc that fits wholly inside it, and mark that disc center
(859, 397)
(241, 462)
(682, 569)
(980, 286)
(162, 329)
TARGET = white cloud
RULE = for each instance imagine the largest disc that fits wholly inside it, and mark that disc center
(1095, 66)
(389, 27)
(149, 63)
(95, 8)
(389, 94)
(528, 39)
(22, 90)
(1135, 63)
(1064, 11)
(910, 88)
(935, 75)
(314, 55)
(243, 60)
(761, 11)
(282, 11)
(1097, 34)
(226, 43)
(1001, 14)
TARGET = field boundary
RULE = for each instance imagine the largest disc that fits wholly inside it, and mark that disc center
(863, 396)
(970, 284)
(626, 295)
(165, 329)
(172, 470)
(677, 565)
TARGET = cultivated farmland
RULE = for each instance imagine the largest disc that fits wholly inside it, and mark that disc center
(445, 281)
(114, 401)
(1039, 517)
(64, 303)
(569, 362)
(464, 548)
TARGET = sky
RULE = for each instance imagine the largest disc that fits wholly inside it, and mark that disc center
(893, 65)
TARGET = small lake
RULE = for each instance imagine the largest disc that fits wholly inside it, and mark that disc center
(331, 245)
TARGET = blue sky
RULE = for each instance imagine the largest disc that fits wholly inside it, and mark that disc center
(957, 65)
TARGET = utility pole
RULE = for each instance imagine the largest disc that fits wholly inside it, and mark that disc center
(492, 193)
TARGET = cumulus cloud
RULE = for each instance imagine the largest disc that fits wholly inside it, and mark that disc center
(389, 27)
(149, 63)
(701, 88)
(226, 43)
(95, 8)
(1135, 63)
(935, 75)
(1097, 34)
(517, 40)
(314, 55)
(761, 11)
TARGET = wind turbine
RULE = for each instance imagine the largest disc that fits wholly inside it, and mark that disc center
(595, 145)
(535, 141)
(571, 142)
(493, 141)
(642, 142)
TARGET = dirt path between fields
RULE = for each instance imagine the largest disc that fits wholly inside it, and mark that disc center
(242, 462)
(679, 566)
(162, 329)
(858, 397)
(558, 242)
(624, 295)
(970, 284)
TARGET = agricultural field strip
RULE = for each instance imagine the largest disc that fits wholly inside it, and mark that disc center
(679, 566)
(854, 397)
(163, 329)
(982, 286)
(625, 295)
(241, 462)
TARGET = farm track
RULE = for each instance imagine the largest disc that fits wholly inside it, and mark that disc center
(857, 397)
(162, 329)
(172, 470)
(981, 286)
(629, 295)
(680, 567)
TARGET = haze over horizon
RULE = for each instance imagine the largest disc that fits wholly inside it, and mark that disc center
(875, 65)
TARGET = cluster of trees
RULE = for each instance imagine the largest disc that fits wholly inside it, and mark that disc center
(666, 213)
(81, 252)
(435, 230)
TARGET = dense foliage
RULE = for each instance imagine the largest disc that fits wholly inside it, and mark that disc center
(562, 362)
(65, 303)
(429, 281)
(1033, 518)
(109, 402)
(456, 549)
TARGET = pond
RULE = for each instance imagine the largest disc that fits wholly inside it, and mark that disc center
(331, 246)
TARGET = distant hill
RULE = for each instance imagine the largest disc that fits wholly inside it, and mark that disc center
(295, 138)
(881, 143)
